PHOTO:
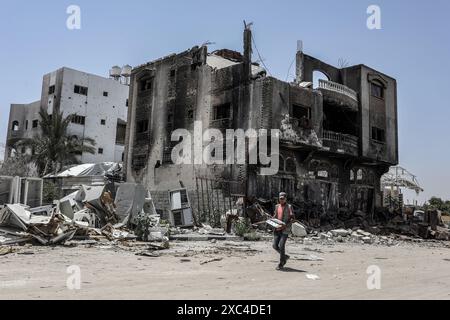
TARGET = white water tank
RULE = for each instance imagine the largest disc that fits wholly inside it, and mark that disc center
(115, 72)
(126, 71)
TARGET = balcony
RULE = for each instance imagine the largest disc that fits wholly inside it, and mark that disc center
(337, 87)
(338, 94)
(340, 142)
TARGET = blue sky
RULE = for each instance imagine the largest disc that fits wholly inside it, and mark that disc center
(413, 46)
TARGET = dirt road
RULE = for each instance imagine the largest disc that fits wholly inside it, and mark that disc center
(228, 270)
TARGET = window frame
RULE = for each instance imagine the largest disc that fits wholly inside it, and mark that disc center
(376, 84)
(78, 89)
(215, 112)
(296, 106)
(378, 135)
(15, 126)
(145, 84)
(142, 129)
(77, 119)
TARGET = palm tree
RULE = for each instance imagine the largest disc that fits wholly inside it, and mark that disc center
(54, 148)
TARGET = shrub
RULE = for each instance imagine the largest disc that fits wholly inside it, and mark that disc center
(242, 227)
(50, 192)
(143, 224)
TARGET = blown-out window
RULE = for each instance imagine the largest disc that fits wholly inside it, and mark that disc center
(145, 84)
(300, 112)
(377, 90)
(290, 165)
(222, 111)
(80, 90)
(378, 134)
(142, 126)
(15, 126)
(121, 132)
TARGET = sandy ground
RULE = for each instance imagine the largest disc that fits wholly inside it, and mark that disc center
(246, 271)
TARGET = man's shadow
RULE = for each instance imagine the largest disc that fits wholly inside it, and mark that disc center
(288, 269)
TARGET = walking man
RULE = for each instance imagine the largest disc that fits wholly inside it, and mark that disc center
(283, 212)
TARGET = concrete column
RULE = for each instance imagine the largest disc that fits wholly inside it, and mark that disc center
(16, 190)
(248, 52)
(299, 69)
(25, 193)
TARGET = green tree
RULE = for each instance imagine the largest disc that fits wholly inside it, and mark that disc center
(445, 207)
(436, 202)
(17, 165)
(439, 204)
(53, 148)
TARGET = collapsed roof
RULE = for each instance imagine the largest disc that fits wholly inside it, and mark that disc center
(88, 169)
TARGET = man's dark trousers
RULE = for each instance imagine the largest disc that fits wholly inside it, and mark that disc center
(279, 244)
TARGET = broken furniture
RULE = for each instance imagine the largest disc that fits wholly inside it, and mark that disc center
(180, 209)
(91, 211)
(17, 220)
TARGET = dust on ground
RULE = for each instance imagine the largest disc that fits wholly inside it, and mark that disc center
(228, 270)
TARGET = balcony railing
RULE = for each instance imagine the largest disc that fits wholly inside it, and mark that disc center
(337, 87)
(345, 139)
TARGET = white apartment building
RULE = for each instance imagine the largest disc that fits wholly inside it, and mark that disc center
(100, 106)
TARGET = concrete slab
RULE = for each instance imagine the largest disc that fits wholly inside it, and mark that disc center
(130, 199)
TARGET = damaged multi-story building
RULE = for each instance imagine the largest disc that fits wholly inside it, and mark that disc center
(336, 139)
(98, 106)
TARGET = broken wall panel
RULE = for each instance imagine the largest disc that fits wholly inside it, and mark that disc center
(6, 190)
(27, 191)
(31, 192)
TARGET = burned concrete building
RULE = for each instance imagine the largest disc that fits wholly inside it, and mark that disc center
(336, 139)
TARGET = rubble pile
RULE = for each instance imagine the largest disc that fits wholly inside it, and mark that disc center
(90, 213)
(375, 237)
(349, 235)
(124, 215)
(292, 132)
(428, 226)
(357, 226)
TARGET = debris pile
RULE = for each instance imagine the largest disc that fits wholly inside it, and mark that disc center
(90, 213)
(19, 225)
(124, 214)
(358, 226)
(426, 226)
(293, 132)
